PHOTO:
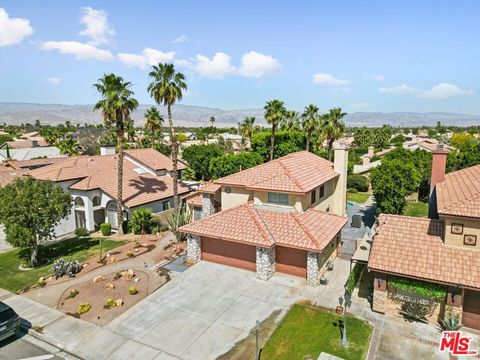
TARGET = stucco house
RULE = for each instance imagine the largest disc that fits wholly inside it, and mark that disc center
(92, 181)
(285, 215)
(443, 249)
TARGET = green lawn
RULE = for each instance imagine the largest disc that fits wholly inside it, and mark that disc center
(307, 331)
(358, 197)
(13, 279)
(418, 209)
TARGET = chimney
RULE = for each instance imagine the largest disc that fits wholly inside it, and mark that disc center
(371, 151)
(439, 164)
(107, 150)
(340, 165)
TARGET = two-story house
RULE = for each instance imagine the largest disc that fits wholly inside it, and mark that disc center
(443, 249)
(285, 215)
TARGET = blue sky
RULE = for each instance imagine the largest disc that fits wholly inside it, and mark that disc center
(360, 55)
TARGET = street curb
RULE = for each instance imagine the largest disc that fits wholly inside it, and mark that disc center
(37, 335)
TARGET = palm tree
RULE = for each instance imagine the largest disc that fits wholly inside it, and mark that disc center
(310, 120)
(290, 121)
(212, 121)
(116, 104)
(68, 146)
(154, 122)
(274, 114)
(333, 126)
(247, 127)
(167, 87)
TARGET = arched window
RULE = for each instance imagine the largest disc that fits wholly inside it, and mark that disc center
(112, 214)
(112, 205)
(79, 203)
(96, 201)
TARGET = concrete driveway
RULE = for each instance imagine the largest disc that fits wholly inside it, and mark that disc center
(203, 312)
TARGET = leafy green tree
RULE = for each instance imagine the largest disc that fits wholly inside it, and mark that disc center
(286, 143)
(116, 104)
(310, 122)
(229, 164)
(275, 112)
(30, 211)
(167, 88)
(69, 146)
(5, 138)
(333, 126)
(467, 155)
(188, 174)
(392, 182)
(459, 139)
(398, 140)
(198, 158)
(181, 137)
(154, 123)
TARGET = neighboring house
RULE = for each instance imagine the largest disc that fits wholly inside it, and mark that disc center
(285, 215)
(27, 153)
(424, 144)
(443, 249)
(190, 135)
(34, 136)
(92, 181)
(31, 164)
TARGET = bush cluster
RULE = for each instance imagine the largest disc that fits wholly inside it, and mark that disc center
(354, 277)
(63, 267)
(357, 182)
(81, 232)
(106, 229)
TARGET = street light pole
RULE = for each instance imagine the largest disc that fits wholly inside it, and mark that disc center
(346, 303)
(257, 353)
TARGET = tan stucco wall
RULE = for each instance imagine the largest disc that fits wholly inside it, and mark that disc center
(261, 198)
(326, 202)
(329, 253)
(470, 227)
(236, 197)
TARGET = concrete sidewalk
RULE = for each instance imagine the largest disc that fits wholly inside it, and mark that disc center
(75, 336)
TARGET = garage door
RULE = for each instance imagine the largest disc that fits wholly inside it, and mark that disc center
(471, 309)
(229, 253)
(291, 261)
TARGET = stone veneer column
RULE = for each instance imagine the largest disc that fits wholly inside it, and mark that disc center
(208, 207)
(265, 262)
(313, 269)
(194, 248)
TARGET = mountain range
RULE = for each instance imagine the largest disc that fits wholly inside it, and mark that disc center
(188, 115)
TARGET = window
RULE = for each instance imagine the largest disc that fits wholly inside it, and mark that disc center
(228, 190)
(197, 213)
(321, 193)
(96, 201)
(79, 204)
(313, 196)
(278, 198)
(165, 205)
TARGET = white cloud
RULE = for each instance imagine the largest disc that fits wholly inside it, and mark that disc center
(327, 79)
(96, 26)
(80, 50)
(148, 57)
(180, 39)
(13, 30)
(440, 91)
(258, 65)
(378, 77)
(216, 67)
(54, 80)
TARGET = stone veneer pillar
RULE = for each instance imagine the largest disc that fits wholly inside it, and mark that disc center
(265, 261)
(208, 207)
(194, 248)
(313, 269)
(380, 293)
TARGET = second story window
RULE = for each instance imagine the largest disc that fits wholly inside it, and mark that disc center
(321, 192)
(313, 196)
(278, 198)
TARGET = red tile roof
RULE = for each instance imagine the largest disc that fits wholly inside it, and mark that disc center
(194, 198)
(25, 164)
(7, 174)
(459, 193)
(100, 172)
(24, 144)
(154, 159)
(298, 172)
(413, 247)
(312, 230)
(210, 188)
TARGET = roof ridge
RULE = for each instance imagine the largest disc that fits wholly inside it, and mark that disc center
(295, 217)
(324, 212)
(290, 176)
(250, 211)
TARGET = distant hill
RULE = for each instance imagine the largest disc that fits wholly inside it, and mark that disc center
(187, 115)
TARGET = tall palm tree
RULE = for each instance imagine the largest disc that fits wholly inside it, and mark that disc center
(310, 120)
(154, 122)
(333, 126)
(116, 104)
(68, 146)
(274, 114)
(212, 121)
(167, 88)
(290, 121)
(247, 127)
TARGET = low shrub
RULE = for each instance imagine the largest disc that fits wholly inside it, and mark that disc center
(110, 303)
(352, 191)
(63, 267)
(106, 229)
(353, 278)
(424, 288)
(83, 308)
(41, 282)
(132, 290)
(451, 322)
(72, 293)
(357, 182)
(130, 254)
(81, 232)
